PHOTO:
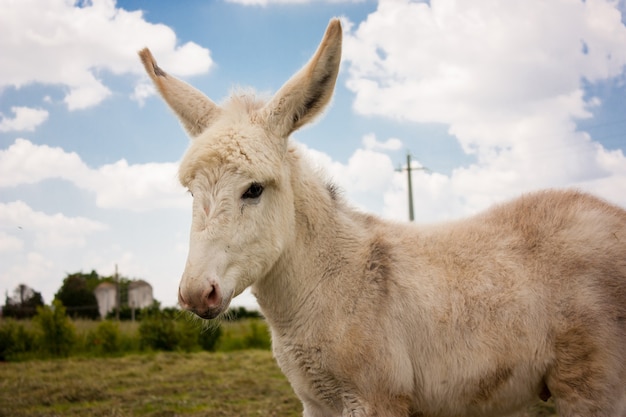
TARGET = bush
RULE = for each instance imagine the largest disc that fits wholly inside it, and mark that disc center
(58, 334)
(187, 333)
(259, 336)
(15, 340)
(209, 337)
(106, 338)
(246, 334)
(158, 333)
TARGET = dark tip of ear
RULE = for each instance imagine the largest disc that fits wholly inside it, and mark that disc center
(158, 71)
(150, 63)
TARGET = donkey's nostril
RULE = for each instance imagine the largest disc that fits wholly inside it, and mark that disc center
(212, 296)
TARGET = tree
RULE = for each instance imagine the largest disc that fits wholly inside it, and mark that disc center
(23, 304)
(77, 295)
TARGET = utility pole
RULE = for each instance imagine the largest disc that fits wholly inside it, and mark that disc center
(408, 173)
(408, 170)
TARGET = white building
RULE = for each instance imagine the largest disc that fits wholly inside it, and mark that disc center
(139, 294)
(106, 294)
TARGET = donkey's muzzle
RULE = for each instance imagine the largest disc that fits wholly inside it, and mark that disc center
(206, 304)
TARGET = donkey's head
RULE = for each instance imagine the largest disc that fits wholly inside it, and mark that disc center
(235, 169)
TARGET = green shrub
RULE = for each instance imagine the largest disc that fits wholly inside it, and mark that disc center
(158, 333)
(187, 334)
(107, 339)
(15, 340)
(244, 334)
(258, 336)
(209, 337)
(58, 335)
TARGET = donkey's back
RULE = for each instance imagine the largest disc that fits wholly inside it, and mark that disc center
(527, 299)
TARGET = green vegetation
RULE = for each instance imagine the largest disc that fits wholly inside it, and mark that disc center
(243, 383)
(77, 295)
(23, 304)
(51, 334)
(58, 334)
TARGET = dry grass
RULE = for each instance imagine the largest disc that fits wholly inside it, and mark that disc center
(246, 383)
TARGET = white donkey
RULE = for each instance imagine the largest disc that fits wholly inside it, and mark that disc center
(368, 317)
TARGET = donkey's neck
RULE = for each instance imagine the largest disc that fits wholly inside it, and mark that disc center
(327, 233)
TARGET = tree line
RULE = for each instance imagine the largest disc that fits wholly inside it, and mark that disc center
(76, 294)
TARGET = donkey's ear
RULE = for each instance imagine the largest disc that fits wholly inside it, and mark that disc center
(306, 94)
(195, 110)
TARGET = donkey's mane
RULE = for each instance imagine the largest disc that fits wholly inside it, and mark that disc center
(240, 105)
(244, 101)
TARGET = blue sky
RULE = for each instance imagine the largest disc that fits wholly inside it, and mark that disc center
(494, 98)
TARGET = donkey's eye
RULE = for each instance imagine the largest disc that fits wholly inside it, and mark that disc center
(254, 191)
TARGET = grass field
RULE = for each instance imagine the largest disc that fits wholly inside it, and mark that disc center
(242, 383)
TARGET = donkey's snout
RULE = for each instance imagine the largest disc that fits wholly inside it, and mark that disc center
(207, 303)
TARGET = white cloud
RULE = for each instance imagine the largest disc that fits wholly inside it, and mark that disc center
(427, 64)
(272, 2)
(507, 80)
(26, 119)
(391, 144)
(86, 94)
(10, 243)
(366, 176)
(26, 163)
(67, 44)
(142, 92)
(50, 231)
(137, 187)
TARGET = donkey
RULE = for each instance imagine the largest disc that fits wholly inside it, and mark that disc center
(479, 317)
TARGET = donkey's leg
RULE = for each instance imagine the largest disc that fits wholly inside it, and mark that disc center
(584, 408)
(383, 406)
(587, 378)
(313, 410)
